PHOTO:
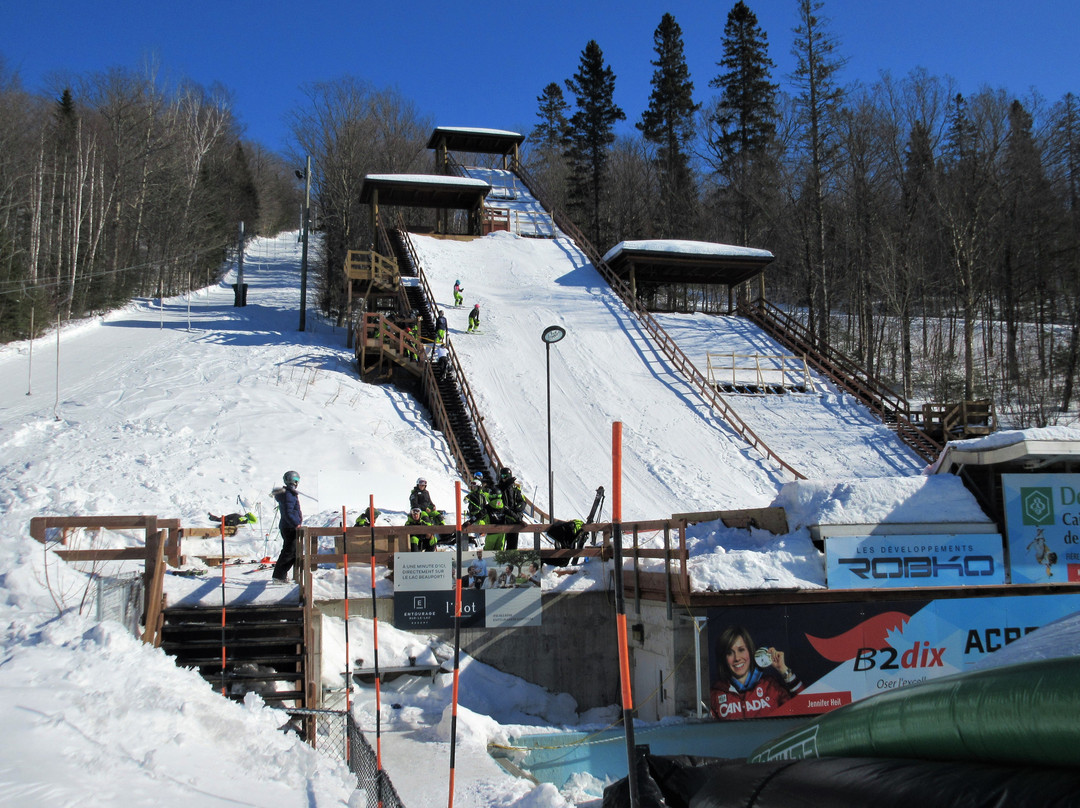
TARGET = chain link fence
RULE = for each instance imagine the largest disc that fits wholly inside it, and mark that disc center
(120, 598)
(335, 731)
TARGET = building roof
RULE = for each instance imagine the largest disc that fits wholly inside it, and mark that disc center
(673, 260)
(424, 190)
(1019, 450)
(475, 141)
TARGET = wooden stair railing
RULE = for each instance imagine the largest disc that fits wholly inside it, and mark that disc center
(376, 335)
(891, 407)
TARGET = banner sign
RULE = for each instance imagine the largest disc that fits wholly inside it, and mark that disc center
(770, 661)
(878, 562)
(1042, 520)
(498, 590)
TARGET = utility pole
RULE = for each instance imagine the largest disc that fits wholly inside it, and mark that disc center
(303, 251)
(238, 290)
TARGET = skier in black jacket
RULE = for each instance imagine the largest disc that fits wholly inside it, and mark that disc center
(288, 500)
(513, 504)
(420, 498)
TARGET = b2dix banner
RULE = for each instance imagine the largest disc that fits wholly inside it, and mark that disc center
(837, 653)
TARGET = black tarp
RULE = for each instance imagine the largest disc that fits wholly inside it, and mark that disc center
(688, 782)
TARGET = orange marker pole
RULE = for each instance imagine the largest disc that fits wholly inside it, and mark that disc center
(348, 663)
(375, 642)
(620, 612)
(223, 605)
(457, 642)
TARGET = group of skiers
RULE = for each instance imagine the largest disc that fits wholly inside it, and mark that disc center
(440, 319)
(487, 503)
(495, 503)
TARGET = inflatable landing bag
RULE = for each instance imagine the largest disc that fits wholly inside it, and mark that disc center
(667, 780)
(886, 783)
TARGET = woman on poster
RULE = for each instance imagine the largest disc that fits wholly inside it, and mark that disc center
(752, 681)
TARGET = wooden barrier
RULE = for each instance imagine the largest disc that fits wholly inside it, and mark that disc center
(40, 525)
(153, 589)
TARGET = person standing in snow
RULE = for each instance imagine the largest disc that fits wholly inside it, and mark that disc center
(440, 329)
(513, 502)
(418, 542)
(290, 518)
(441, 362)
(474, 319)
(459, 294)
(496, 515)
(476, 501)
(420, 498)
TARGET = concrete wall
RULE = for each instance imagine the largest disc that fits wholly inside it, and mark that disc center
(663, 660)
(575, 650)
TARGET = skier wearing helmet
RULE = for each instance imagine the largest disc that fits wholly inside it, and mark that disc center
(476, 501)
(513, 501)
(418, 543)
(458, 294)
(288, 500)
(420, 498)
(474, 319)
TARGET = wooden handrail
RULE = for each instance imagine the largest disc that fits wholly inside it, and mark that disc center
(783, 364)
(370, 265)
(375, 330)
(891, 407)
(662, 339)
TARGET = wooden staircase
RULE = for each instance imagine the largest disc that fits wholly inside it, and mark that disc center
(263, 649)
(891, 407)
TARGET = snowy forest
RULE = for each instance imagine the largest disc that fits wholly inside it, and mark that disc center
(931, 235)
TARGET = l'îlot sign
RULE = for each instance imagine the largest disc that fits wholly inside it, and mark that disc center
(424, 595)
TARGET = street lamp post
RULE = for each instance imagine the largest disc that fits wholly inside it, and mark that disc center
(551, 335)
(306, 224)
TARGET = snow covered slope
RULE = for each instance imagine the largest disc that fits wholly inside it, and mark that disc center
(678, 456)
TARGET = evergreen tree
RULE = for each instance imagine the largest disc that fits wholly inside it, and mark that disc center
(551, 132)
(1065, 156)
(918, 237)
(669, 123)
(818, 100)
(545, 158)
(964, 201)
(743, 123)
(1027, 233)
(591, 134)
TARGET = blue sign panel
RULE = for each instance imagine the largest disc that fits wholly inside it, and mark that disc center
(881, 562)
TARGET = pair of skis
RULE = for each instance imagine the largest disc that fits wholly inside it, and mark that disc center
(582, 535)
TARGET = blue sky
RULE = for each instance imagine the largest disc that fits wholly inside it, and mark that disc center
(484, 63)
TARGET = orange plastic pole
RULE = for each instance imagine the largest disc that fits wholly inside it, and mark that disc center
(620, 613)
(457, 644)
(616, 471)
(348, 662)
(223, 605)
(375, 642)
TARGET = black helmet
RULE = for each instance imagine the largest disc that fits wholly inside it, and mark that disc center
(505, 472)
(291, 478)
